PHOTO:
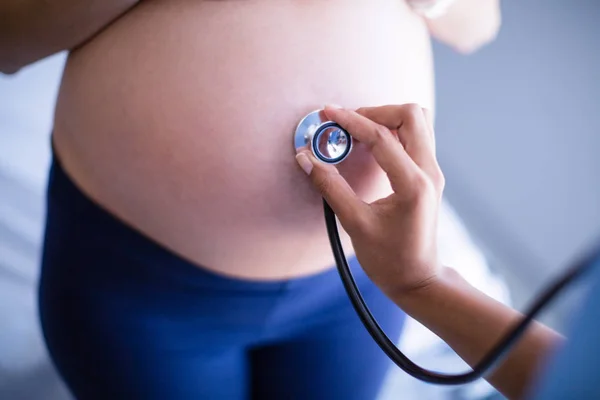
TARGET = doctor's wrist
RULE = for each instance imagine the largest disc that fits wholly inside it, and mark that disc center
(431, 287)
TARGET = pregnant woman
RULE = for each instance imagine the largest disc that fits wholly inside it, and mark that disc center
(185, 253)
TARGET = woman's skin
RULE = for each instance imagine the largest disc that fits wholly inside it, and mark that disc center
(163, 103)
(33, 29)
(467, 24)
(395, 242)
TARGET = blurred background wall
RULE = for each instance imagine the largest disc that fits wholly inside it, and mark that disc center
(518, 136)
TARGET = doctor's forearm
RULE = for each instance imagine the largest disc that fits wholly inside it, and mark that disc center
(472, 323)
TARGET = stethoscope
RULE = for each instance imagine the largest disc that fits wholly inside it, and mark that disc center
(331, 144)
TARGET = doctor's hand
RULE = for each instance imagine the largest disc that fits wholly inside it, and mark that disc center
(395, 241)
(395, 237)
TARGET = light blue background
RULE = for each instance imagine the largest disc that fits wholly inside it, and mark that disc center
(518, 136)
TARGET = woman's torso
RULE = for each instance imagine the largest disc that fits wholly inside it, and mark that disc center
(179, 119)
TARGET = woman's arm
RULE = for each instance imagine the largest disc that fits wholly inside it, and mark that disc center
(395, 242)
(466, 25)
(33, 29)
(472, 323)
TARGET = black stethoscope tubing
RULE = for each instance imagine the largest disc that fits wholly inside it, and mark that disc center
(488, 362)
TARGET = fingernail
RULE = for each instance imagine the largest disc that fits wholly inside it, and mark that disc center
(333, 106)
(304, 163)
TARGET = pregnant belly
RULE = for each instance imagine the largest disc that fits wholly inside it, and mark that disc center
(179, 119)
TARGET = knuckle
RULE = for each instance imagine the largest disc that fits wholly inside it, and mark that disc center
(421, 185)
(412, 110)
(380, 133)
(440, 180)
(422, 190)
(427, 113)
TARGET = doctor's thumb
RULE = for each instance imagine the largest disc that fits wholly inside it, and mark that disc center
(333, 187)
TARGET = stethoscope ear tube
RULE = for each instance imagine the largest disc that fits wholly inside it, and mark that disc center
(487, 364)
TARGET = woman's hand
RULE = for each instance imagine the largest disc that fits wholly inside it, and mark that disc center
(394, 238)
(467, 25)
(32, 30)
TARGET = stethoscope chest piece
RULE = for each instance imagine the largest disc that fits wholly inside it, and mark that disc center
(328, 141)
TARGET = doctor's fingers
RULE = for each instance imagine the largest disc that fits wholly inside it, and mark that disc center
(383, 144)
(352, 212)
(414, 125)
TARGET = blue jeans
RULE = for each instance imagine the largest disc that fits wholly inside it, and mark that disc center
(123, 318)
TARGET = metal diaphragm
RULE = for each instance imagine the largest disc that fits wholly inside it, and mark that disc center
(328, 141)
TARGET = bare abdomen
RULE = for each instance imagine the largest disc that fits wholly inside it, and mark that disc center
(179, 119)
